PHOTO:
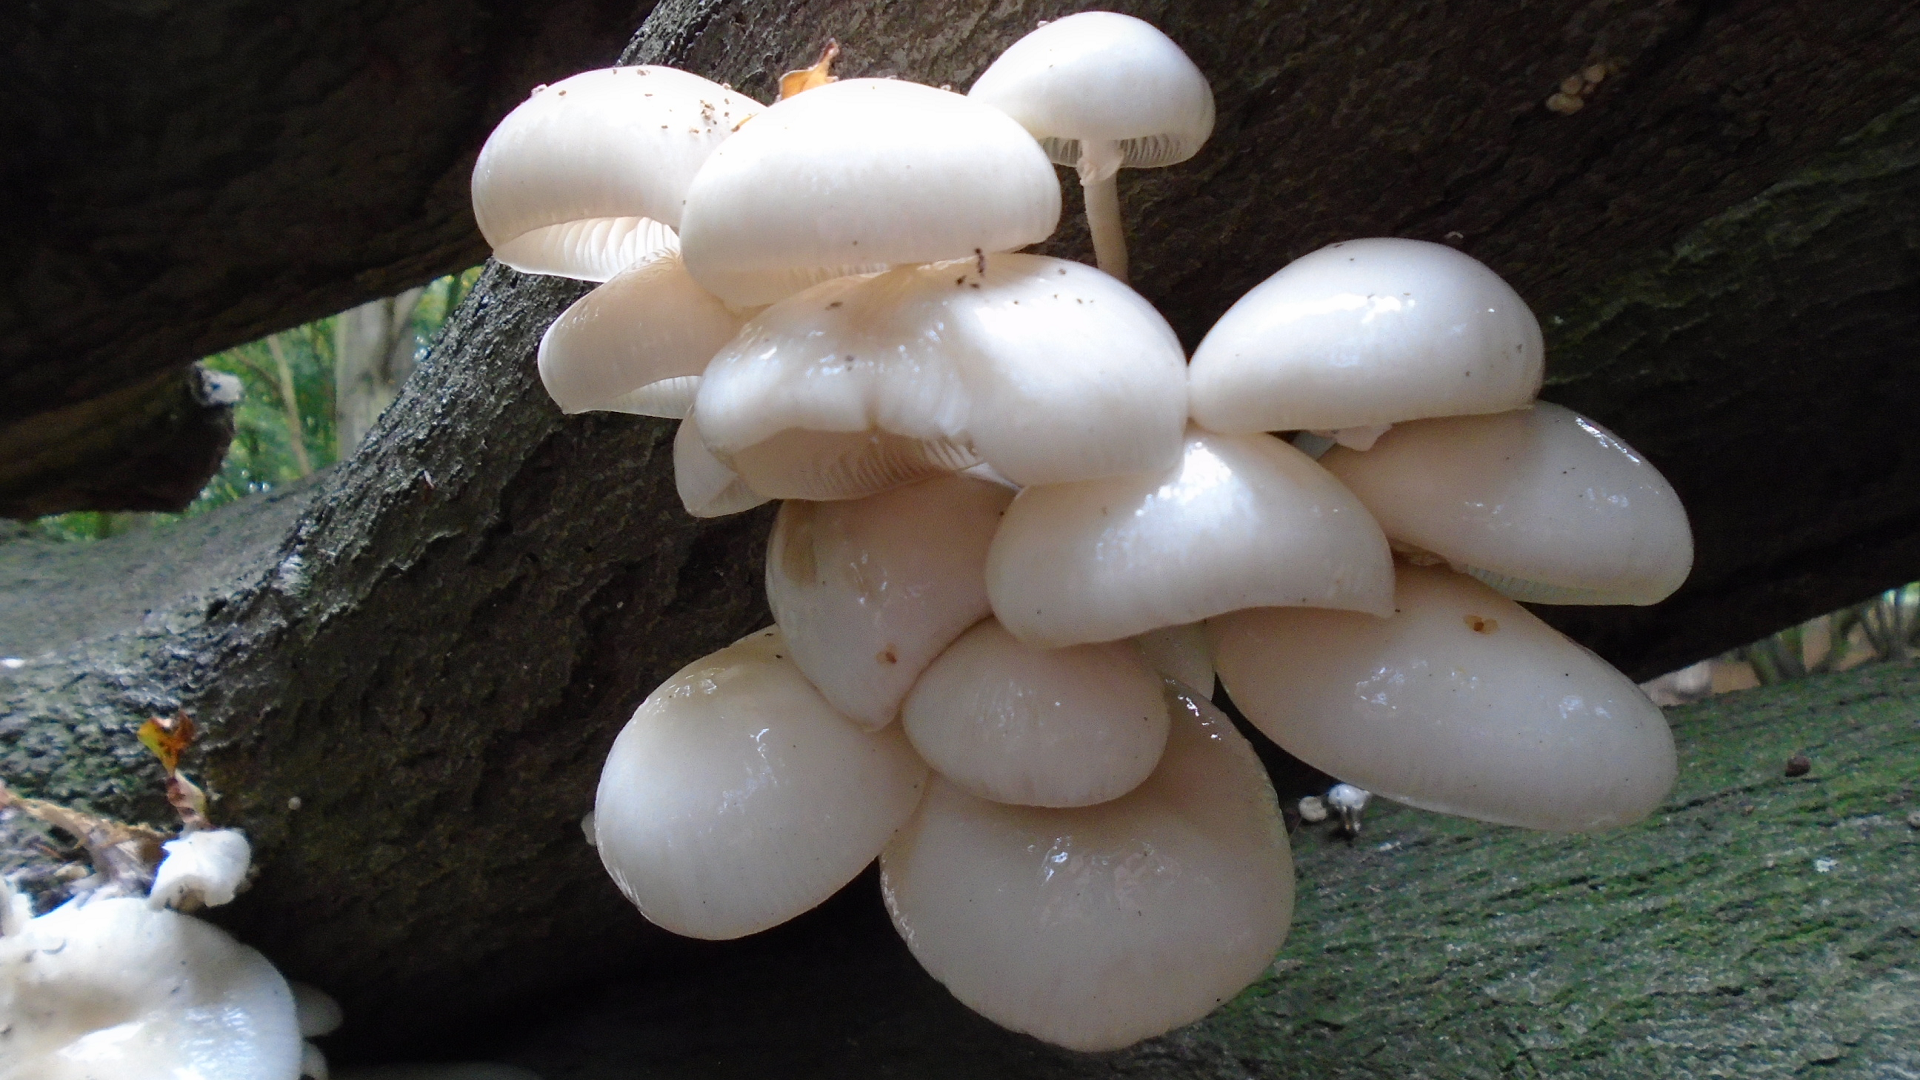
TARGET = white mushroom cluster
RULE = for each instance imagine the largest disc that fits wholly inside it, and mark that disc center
(112, 987)
(124, 987)
(1022, 524)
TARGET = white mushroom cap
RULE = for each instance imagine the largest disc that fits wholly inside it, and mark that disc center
(205, 867)
(1038, 727)
(638, 343)
(1347, 798)
(315, 1010)
(587, 176)
(1102, 77)
(737, 798)
(1048, 370)
(868, 591)
(1543, 504)
(115, 989)
(1368, 332)
(1243, 521)
(858, 174)
(1099, 926)
(707, 488)
(1463, 702)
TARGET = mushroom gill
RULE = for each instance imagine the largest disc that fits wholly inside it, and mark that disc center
(587, 176)
(1045, 369)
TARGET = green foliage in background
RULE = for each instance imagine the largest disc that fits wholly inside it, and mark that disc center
(284, 424)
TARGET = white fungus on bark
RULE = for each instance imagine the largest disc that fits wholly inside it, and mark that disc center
(1044, 369)
(588, 175)
(118, 989)
(201, 868)
(1242, 521)
(1102, 92)
(1038, 727)
(1095, 927)
(1021, 502)
(868, 591)
(859, 175)
(1543, 504)
(638, 343)
(1368, 332)
(1462, 702)
(737, 798)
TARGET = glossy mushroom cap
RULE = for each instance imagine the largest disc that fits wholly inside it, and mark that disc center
(1099, 926)
(1463, 702)
(205, 867)
(868, 591)
(1543, 504)
(1038, 727)
(638, 343)
(1048, 370)
(706, 486)
(737, 798)
(114, 988)
(1102, 77)
(315, 1010)
(1368, 332)
(859, 175)
(587, 176)
(1242, 521)
(1103, 91)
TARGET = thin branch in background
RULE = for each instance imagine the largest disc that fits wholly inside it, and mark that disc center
(296, 434)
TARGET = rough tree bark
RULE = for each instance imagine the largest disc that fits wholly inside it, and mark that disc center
(182, 176)
(150, 445)
(435, 653)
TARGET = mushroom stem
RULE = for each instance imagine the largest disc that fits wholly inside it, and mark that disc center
(1103, 220)
(1099, 165)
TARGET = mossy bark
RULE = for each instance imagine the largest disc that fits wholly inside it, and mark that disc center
(1756, 926)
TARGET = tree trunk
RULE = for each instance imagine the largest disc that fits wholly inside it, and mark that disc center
(372, 357)
(428, 652)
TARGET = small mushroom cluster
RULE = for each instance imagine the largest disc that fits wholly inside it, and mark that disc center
(1021, 523)
(110, 986)
(121, 986)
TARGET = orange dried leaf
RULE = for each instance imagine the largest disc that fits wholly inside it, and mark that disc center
(168, 738)
(811, 78)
